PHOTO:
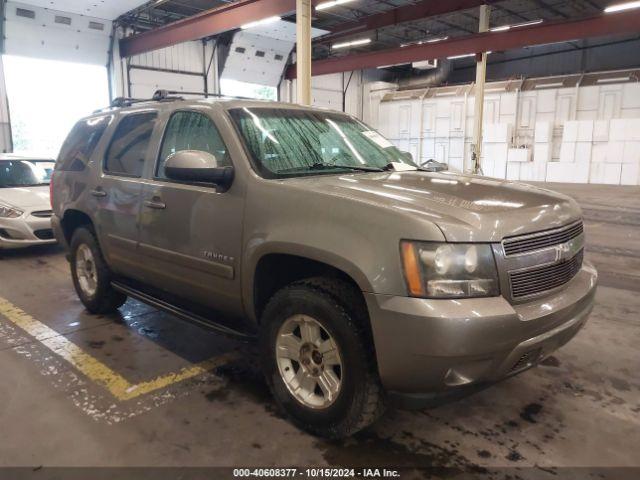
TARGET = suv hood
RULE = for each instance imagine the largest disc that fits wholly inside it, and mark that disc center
(26, 197)
(466, 208)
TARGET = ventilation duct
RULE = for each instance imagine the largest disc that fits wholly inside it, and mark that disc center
(433, 78)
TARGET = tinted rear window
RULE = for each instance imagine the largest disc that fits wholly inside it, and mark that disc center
(81, 142)
(128, 148)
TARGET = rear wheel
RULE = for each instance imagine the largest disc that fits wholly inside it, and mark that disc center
(91, 275)
(319, 361)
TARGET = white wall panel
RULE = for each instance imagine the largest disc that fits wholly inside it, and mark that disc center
(54, 35)
(630, 174)
(145, 82)
(429, 118)
(185, 57)
(565, 130)
(5, 125)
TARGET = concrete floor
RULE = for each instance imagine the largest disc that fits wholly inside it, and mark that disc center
(581, 408)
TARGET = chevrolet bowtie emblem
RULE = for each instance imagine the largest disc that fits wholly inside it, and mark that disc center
(566, 250)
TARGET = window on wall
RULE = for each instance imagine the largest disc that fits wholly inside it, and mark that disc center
(236, 88)
(47, 98)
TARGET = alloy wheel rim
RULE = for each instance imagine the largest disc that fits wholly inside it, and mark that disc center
(86, 270)
(309, 362)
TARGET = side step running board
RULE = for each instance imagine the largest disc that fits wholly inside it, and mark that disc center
(180, 312)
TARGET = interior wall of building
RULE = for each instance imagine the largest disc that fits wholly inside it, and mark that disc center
(5, 123)
(339, 91)
(584, 134)
(37, 32)
(186, 67)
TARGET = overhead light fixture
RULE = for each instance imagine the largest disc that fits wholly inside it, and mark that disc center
(331, 4)
(504, 28)
(466, 55)
(259, 23)
(422, 42)
(613, 80)
(438, 39)
(392, 65)
(455, 57)
(618, 7)
(549, 85)
(353, 43)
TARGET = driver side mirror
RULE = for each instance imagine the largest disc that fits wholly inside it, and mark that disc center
(197, 166)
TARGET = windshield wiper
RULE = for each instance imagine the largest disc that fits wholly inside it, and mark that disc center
(390, 167)
(322, 166)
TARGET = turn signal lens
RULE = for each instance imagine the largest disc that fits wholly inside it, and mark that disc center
(411, 269)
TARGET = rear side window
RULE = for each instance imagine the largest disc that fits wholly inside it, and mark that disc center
(81, 142)
(191, 131)
(128, 148)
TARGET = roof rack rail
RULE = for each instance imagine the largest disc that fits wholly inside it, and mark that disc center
(165, 96)
(120, 102)
(160, 95)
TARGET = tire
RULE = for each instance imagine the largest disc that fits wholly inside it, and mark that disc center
(86, 261)
(359, 400)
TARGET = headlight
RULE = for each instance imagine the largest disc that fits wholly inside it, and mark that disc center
(9, 212)
(449, 270)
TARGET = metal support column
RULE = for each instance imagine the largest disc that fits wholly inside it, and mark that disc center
(481, 74)
(303, 51)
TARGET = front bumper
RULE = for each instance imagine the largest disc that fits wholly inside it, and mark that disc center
(26, 230)
(430, 346)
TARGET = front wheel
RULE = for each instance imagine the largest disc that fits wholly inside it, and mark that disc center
(319, 361)
(91, 275)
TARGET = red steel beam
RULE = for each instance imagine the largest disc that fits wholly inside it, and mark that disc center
(204, 24)
(415, 11)
(597, 26)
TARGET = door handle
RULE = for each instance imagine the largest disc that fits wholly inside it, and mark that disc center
(98, 192)
(155, 204)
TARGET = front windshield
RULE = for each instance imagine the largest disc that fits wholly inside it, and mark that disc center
(289, 142)
(25, 173)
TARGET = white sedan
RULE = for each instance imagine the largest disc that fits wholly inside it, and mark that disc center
(25, 209)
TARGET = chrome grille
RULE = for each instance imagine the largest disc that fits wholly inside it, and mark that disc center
(42, 213)
(540, 240)
(547, 277)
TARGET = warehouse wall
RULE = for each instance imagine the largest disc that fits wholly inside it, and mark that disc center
(327, 91)
(180, 67)
(55, 35)
(5, 124)
(578, 134)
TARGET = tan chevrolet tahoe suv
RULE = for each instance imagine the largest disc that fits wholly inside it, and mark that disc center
(362, 276)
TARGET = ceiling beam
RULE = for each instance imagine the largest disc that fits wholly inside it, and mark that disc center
(408, 13)
(549, 32)
(210, 22)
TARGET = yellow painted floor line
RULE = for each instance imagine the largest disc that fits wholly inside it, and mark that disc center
(94, 369)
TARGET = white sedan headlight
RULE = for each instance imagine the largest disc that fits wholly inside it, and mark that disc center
(9, 212)
(449, 270)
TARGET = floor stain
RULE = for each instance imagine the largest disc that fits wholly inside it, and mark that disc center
(620, 384)
(529, 412)
(366, 449)
(218, 395)
(514, 456)
(96, 343)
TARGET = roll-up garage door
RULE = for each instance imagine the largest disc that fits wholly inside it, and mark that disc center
(32, 31)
